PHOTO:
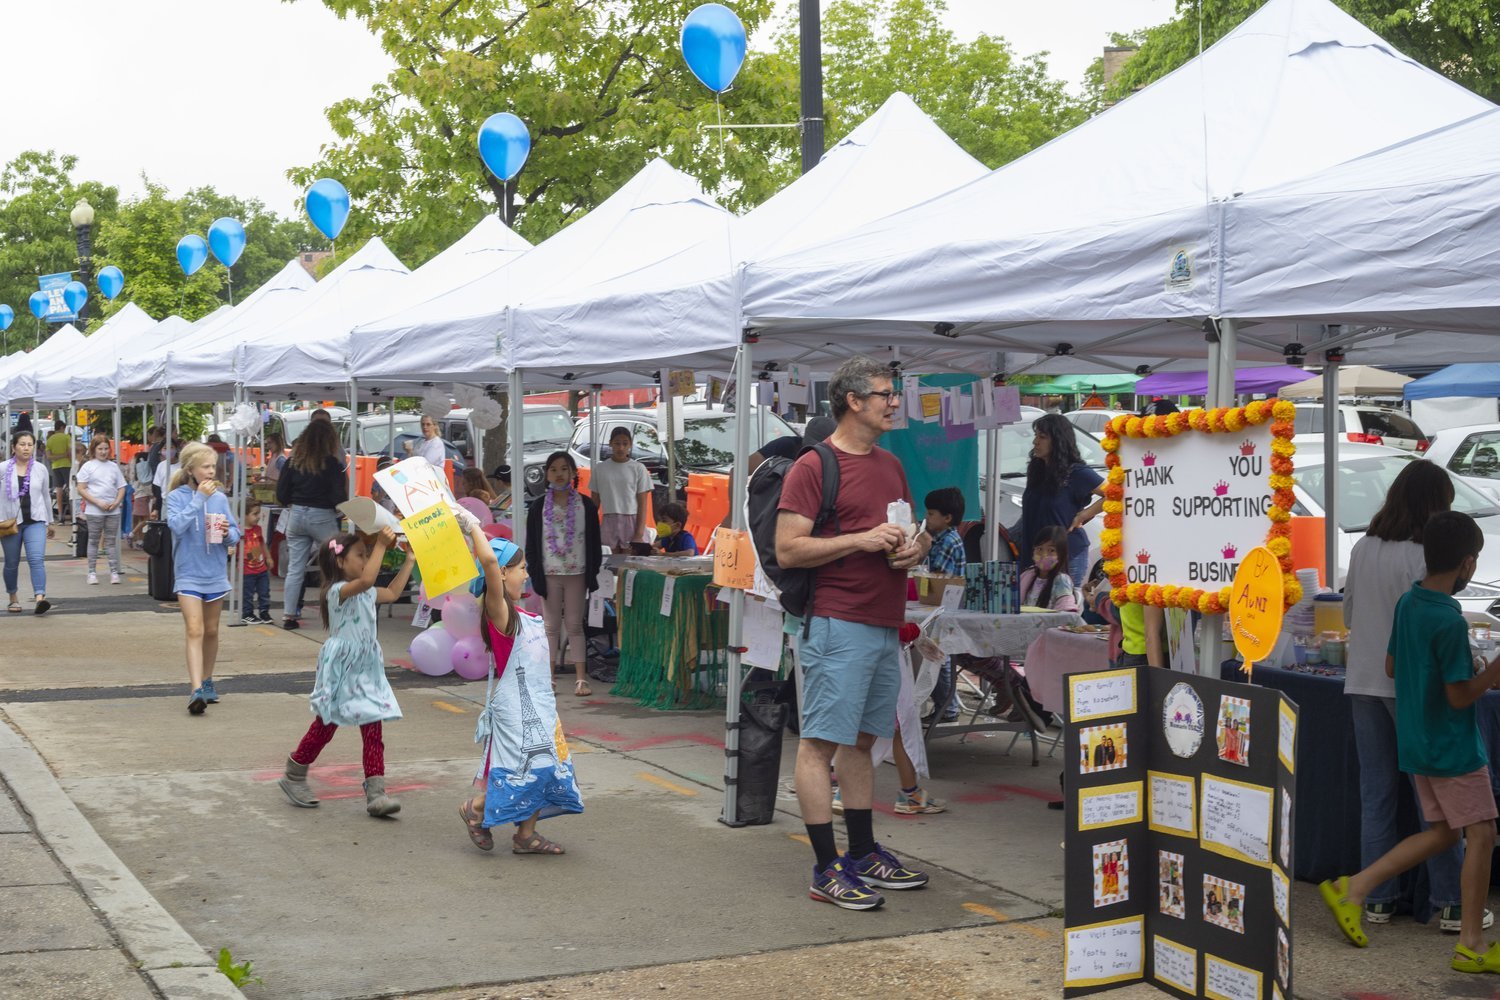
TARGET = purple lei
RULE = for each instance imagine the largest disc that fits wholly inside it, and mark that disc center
(11, 490)
(564, 545)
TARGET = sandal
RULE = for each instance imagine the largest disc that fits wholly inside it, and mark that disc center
(534, 844)
(1465, 960)
(15, 607)
(42, 605)
(1335, 895)
(482, 838)
(581, 689)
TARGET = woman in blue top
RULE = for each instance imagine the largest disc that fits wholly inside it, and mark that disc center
(1059, 490)
(203, 533)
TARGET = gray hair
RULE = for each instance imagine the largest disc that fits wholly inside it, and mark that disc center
(853, 376)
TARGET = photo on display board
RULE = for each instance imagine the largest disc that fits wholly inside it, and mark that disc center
(1283, 956)
(1284, 830)
(1182, 720)
(1224, 903)
(1234, 730)
(1111, 873)
(1170, 880)
(1102, 748)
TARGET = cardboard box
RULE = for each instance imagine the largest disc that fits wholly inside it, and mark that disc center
(930, 588)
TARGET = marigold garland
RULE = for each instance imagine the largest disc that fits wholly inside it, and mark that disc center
(1217, 420)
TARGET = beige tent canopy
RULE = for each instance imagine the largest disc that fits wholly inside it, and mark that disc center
(1356, 380)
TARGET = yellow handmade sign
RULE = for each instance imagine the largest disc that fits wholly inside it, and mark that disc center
(438, 544)
(734, 559)
(1256, 605)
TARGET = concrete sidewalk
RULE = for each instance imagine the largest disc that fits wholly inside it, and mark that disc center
(166, 838)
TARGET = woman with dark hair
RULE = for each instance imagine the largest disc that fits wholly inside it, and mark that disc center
(1382, 567)
(564, 552)
(311, 487)
(25, 518)
(1059, 489)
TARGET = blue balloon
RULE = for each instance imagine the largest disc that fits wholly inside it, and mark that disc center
(713, 43)
(38, 303)
(191, 253)
(327, 204)
(7, 317)
(226, 238)
(111, 280)
(75, 294)
(504, 144)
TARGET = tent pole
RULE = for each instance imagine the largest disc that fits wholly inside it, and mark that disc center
(733, 682)
(353, 437)
(1331, 361)
(517, 459)
(390, 432)
(993, 444)
(1215, 357)
(594, 452)
(1229, 349)
(237, 582)
(1220, 358)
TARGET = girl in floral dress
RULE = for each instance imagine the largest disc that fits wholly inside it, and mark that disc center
(351, 688)
(526, 771)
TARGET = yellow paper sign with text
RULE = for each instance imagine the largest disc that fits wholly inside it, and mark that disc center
(438, 544)
(1256, 605)
(734, 559)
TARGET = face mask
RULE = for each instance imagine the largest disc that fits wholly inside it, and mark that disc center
(663, 529)
(559, 487)
(1046, 564)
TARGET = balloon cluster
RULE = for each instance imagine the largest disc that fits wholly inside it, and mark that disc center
(453, 644)
(484, 412)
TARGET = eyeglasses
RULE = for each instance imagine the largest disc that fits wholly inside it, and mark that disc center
(891, 396)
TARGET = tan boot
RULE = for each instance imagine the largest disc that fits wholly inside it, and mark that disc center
(295, 785)
(377, 803)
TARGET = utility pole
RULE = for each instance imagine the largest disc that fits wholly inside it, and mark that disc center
(811, 27)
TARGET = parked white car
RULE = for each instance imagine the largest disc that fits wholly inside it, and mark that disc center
(1365, 475)
(1094, 421)
(1470, 453)
(1362, 423)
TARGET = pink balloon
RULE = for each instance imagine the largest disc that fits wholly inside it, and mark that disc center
(461, 615)
(470, 659)
(478, 509)
(432, 651)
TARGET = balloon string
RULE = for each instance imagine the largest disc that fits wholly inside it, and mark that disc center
(719, 111)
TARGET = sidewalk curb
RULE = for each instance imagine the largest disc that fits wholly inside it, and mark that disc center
(176, 965)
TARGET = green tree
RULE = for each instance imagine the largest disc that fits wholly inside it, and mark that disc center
(1458, 38)
(37, 192)
(601, 87)
(994, 104)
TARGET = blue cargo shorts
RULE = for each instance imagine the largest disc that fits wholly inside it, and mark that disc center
(851, 679)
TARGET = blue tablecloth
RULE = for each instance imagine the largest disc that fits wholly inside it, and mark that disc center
(1327, 833)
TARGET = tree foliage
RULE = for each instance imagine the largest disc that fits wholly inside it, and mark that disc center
(1458, 38)
(37, 192)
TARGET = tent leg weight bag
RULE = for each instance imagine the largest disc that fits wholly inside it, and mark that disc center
(762, 717)
(157, 542)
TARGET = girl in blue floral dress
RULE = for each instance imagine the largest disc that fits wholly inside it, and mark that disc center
(527, 771)
(351, 688)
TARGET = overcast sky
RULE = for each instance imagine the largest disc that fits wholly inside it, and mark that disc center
(231, 92)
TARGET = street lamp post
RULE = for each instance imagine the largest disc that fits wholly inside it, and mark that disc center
(83, 225)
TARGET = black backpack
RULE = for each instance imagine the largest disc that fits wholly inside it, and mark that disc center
(763, 505)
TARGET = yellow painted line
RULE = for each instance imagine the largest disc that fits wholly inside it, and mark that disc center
(1001, 918)
(668, 785)
(579, 748)
(266, 630)
(445, 706)
(800, 838)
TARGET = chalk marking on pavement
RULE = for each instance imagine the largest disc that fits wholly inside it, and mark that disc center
(800, 838)
(668, 785)
(265, 630)
(445, 706)
(1001, 918)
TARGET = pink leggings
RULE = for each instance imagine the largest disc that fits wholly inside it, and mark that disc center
(320, 732)
(566, 605)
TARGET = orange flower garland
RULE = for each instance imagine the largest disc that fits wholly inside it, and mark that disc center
(1219, 420)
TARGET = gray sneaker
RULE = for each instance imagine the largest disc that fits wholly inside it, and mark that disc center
(1451, 919)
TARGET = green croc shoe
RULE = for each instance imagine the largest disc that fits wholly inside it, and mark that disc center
(1465, 960)
(1335, 894)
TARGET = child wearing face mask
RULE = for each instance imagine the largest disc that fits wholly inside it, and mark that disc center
(1045, 583)
(564, 552)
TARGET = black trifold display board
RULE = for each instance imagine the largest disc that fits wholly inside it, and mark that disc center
(1178, 851)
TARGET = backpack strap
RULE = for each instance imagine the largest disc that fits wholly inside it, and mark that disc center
(827, 516)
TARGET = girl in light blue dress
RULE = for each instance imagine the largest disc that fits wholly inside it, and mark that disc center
(527, 771)
(351, 688)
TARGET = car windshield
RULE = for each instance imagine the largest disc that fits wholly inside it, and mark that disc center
(709, 441)
(548, 427)
(375, 437)
(1364, 482)
(1015, 450)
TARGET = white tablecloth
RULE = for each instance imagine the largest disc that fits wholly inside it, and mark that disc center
(985, 635)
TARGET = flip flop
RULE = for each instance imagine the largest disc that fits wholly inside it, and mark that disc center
(482, 838)
(15, 607)
(1336, 895)
(581, 689)
(535, 844)
(43, 606)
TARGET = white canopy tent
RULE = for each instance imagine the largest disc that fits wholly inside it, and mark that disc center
(688, 304)
(88, 374)
(1106, 243)
(459, 335)
(62, 343)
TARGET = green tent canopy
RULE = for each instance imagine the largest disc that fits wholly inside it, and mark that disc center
(1064, 385)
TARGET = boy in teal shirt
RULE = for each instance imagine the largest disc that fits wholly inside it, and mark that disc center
(1437, 740)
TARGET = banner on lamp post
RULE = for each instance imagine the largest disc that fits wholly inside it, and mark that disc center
(57, 307)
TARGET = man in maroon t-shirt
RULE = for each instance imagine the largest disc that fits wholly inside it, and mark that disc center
(850, 655)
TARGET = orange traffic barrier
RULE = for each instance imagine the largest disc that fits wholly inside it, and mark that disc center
(364, 474)
(707, 504)
(1308, 548)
